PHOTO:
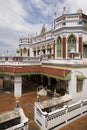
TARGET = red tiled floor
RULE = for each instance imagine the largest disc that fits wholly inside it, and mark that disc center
(8, 102)
(79, 124)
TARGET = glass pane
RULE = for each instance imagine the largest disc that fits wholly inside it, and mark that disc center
(59, 47)
(85, 51)
(71, 44)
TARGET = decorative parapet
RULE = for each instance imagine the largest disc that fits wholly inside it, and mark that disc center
(60, 117)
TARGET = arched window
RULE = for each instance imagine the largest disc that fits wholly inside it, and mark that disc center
(71, 44)
(59, 47)
(84, 49)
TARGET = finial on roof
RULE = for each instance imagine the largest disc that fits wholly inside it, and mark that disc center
(17, 104)
(64, 10)
(55, 15)
(54, 96)
(79, 11)
(43, 30)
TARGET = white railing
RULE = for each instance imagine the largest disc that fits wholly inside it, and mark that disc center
(60, 117)
(23, 61)
(57, 118)
(39, 60)
(62, 61)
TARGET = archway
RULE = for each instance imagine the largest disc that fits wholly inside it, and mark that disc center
(59, 47)
(71, 44)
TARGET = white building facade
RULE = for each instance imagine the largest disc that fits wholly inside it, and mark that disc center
(67, 37)
(64, 46)
(62, 54)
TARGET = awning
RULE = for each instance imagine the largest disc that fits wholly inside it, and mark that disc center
(84, 42)
(58, 73)
(66, 77)
(81, 77)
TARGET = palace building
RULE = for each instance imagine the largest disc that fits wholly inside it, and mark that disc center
(56, 59)
(62, 52)
(66, 40)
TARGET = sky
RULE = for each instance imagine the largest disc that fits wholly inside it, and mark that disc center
(20, 18)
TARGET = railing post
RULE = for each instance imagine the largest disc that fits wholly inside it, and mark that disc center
(81, 101)
(66, 109)
(45, 123)
(43, 119)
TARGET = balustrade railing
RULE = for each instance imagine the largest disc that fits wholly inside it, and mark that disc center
(19, 60)
(60, 117)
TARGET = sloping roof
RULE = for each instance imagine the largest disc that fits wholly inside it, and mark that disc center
(62, 74)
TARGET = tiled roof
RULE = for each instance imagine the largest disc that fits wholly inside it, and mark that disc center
(15, 70)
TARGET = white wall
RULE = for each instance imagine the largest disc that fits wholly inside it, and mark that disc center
(73, 84)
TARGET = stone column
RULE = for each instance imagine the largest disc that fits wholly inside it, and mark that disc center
(72, 85)
(46, 51)
(17, 86)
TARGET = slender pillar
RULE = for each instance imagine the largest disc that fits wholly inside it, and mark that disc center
(36, 53)
(21, 53)
(52, 51)
(54, 48)
(80, 45)
(28, 52)
(64, 47)
(46, 51)
(17, 86)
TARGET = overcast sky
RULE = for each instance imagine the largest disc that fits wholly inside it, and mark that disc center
(24, 17)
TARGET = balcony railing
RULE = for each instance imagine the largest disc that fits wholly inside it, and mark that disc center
(60, 117)
(19, 60)
(44, 59)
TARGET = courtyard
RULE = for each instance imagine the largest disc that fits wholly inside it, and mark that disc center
(8, 102)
